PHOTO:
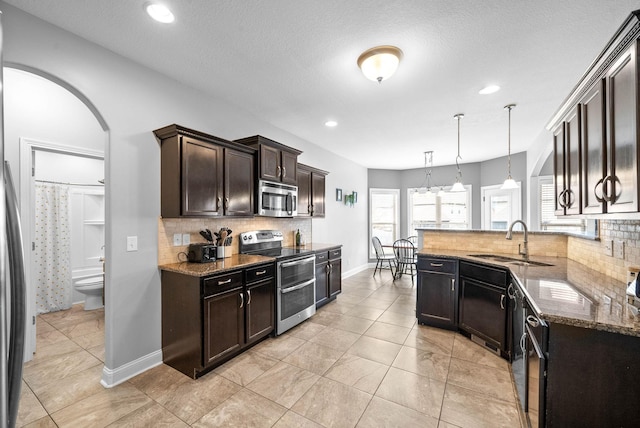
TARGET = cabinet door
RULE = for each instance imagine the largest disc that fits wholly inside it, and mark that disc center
(322, 284)
(304, 192)
(572, 197)
(289, 164)
(317, 198)
(621, 186)
(335, 277)
(536, 364)
(239, 182)
(594, 152)
(223, 324)
(260, 309)
(436, 300)
(483, 311)
(559, 168)
(270, 168)
(202, 178)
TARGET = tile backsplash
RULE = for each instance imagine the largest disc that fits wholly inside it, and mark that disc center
(167, 227)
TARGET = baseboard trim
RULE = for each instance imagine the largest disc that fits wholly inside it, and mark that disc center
(354, 271)
(111, 378)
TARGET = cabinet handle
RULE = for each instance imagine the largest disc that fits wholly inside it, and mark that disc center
(533, 321)
(522, 342)
(571, 200)
(262, 272)
(241, 300)
(599, 198)
(224, 282)
(278, 171)
(609, 193)
(226, 203)
(284, 172)
(561, 201)
(453, 284)
(510, 291)
(218, 203)
(436, 264)
(502, 301)
(249, 294)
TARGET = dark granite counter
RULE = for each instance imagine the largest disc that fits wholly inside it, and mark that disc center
(314, 246)
(236, 261)
(566, 292)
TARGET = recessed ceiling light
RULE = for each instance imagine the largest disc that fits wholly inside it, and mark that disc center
(331, 123)
(489, 90)
(159, 12)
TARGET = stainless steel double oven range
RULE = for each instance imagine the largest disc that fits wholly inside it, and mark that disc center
(295, 276)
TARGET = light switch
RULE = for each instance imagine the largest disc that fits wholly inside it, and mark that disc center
(177, 239)
(186, 239)
(132, 243)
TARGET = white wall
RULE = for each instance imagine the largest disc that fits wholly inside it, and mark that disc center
(134, 101)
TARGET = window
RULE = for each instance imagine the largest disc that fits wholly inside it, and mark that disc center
(548, 220)
(384, 216)
(442, 210)
(500, 207)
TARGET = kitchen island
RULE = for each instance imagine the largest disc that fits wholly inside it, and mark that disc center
(572, 339)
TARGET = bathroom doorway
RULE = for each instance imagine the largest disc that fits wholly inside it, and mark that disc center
(44, 114)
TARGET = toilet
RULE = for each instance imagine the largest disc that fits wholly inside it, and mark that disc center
(91, 287)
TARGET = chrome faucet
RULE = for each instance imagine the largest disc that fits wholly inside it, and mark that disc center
(525, 253)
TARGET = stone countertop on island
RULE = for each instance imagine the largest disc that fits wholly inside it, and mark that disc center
(566, 292)
(236, 261)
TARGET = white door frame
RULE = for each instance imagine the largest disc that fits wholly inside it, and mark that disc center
(27, 219)
(516, 209)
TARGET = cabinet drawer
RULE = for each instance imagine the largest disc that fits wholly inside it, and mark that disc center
(335, 254)
(489, 275)
(218, 284)
(260, 273)
(322, 257)
(437, 265)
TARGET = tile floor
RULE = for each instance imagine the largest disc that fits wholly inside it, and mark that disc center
(361, 361)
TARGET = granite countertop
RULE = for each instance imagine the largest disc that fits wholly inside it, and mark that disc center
(236, 261)
(314, 246)
(566, 292)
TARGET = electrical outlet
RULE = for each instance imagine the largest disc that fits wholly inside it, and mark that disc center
(177, 239)
(186, 239)
(132, 243)
(606, 300)
(608, 248)
(618, 249)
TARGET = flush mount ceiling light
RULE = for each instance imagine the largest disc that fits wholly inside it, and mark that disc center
(491, 89)
(159, 12)
(458, 186)
(380, 63)
(509, 183)
(331, 123)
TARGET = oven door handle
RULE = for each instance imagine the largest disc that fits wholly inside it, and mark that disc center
(297, 262)
(297, 287)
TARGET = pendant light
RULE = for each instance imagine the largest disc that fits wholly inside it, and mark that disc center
(458, 186)
(428, 164)
(509, 183)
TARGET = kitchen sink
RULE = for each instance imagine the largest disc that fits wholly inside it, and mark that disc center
(510, 260)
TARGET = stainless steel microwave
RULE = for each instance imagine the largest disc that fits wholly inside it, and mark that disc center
(277, 199)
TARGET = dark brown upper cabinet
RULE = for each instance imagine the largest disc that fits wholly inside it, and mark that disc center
(595, 132)
(204, 176)
(311, 191)
(276, 162)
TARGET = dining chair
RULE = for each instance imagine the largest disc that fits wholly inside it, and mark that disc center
(381, 257)
(406, 258)
(414, 240)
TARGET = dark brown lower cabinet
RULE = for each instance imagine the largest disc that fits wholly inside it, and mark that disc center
(328, 275)
(206, 321)
(437, 298)
(223, 324)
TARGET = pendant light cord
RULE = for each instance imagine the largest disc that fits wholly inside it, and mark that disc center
(509, 107)
(458, 117)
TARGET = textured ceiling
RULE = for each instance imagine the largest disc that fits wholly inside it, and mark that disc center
(292, 63)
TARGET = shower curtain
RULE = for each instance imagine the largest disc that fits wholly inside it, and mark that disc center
(52, 254)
